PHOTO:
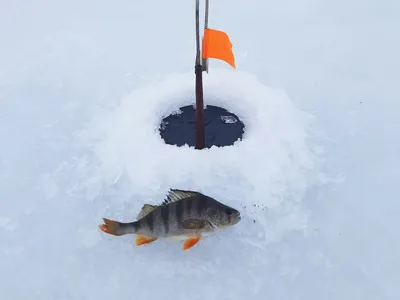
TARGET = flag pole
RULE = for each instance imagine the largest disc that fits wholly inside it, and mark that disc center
(200, 136)
(205, 60)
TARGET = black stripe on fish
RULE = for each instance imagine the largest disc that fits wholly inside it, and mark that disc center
(136, 226)
(150, 221)
(165, 217)
(179, 212)
(189, 203)
(143, 223)
(202, 204)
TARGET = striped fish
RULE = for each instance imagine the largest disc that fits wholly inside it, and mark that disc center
(183, 214)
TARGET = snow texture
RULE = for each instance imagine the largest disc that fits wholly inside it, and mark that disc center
(83, 88)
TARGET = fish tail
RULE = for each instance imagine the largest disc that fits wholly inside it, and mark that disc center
(117, 228)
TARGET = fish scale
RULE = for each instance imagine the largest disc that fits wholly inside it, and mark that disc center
(183, 213)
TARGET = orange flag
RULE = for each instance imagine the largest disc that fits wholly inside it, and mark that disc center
(216, 44)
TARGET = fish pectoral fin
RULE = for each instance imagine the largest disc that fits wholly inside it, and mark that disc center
(194, 224)
(190, 242)
(212, 225)
(142, 240)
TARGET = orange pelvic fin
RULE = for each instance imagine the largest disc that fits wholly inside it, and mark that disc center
(110, 227)
(190, 242)
(142, 240)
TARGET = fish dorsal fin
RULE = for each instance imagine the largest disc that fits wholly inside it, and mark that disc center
(146, 209)
(176, 195)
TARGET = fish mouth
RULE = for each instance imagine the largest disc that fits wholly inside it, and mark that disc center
(236, 217)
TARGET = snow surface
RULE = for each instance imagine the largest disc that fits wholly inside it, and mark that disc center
(83, 86)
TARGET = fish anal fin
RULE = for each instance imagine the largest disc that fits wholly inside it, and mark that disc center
(194, 224)
(143, 240)
(190, 242)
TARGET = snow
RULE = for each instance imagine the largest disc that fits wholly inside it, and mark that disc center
(83, 87)
(228, 119)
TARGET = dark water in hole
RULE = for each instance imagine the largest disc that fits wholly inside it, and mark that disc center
(222, 128)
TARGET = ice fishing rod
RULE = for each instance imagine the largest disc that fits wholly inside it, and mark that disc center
(215, 44)
(200, 134)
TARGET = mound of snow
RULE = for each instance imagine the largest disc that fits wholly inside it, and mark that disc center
(265, 176)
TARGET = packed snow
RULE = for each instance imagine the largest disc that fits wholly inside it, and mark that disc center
(83, 89)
